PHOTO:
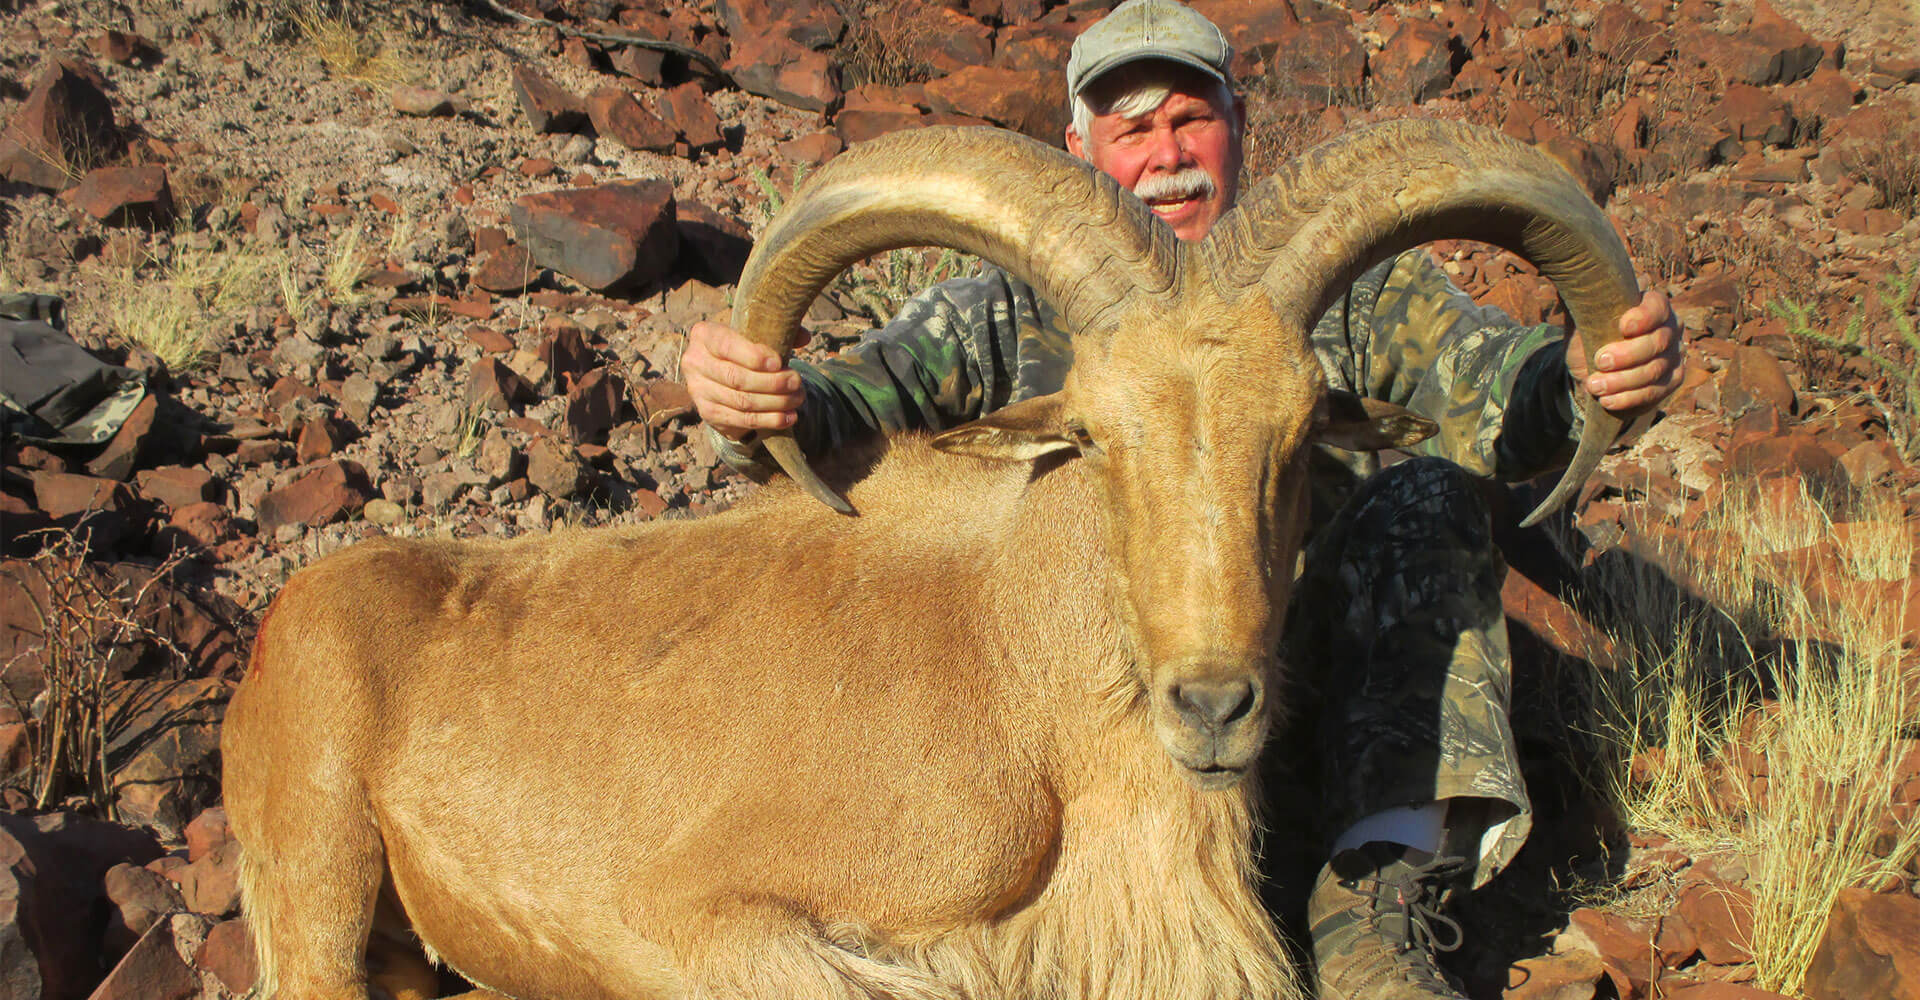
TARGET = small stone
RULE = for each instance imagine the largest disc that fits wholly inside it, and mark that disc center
(331, 492)
(152, 970)
(548, 106)
(127, 196)
(554, 468)
(593, 405)
(507, 271)
(383, 512)
(228, 955)
(496, 387)
(208, 831)
(422, 102)
(686, 109)
(617, 116)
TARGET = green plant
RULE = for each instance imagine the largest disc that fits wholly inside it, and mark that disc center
(1899, 296)
(83, 615)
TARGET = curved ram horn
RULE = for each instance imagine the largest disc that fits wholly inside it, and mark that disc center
(1309, 230)
(1052, 220)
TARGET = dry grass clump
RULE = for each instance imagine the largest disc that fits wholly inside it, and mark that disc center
(1792, 674)
(351, 44)
(176, 306)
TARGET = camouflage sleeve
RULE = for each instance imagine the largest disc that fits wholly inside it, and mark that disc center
(948, 357)
(1499, 390)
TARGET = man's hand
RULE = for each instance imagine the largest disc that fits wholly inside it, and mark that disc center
(737, 385)
(1642, 368)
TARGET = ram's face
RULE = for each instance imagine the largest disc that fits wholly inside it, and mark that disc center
(1198, 443)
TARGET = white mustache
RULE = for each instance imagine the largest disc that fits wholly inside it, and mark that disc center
(1192, 182)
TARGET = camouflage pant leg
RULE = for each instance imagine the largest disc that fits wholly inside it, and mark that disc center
(1397, 628)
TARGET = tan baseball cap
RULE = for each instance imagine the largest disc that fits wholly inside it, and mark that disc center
(1148, 29)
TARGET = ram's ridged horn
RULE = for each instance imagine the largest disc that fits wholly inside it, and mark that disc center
(1050, 219)
(1309, 230)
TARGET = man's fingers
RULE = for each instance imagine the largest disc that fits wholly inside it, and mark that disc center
(728, 345)
(734, 376)
(1634, 397)
(1634, 350)
(1614, 387)
(728, 418)
(752, 402)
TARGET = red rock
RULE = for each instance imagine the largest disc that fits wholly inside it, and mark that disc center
(548, 106)
(536, 166)
(1755, 378)
(63, 495)
(563, 350)
(1723, 991)
(152, 970)
(208, 830)
(593, 405)
(617, 116)
(1721, 916)
(1871, 949)
(1763, 54)
(140, 898)
(211, 885)
(554, 469)
(1869, 462)
(126, 195)
(65, 127)
(1592, 165)
(490, 340)
(685, 108)
(1795, 456)
(859, 126)
(614, 235)
(1747, 112)
(228, 954)
(1415, 65)
(663, 400)
(1025, 101)
(122, 452)
(332, 492)
(813, 149)
(1525, 297)
(1626, 949)
(205, 524)
(422, 102)
(952, 41)
(1625, 36)
(1675, 944)
(495, 386)
(507, 271)
(177, 486)
(1568, 974)
(712, 245)
(122, 47)
(1033, 47)
(319, 438)
(771, 64)
(644, 65)
(1827, 95)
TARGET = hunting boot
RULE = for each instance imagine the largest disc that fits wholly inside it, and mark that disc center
(1376, 924)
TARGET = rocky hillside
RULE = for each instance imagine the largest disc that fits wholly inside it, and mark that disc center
(425, 269)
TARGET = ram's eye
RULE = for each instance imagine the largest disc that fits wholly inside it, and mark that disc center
(1080, 436)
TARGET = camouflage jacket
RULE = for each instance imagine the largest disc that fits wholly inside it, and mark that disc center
(1402, 333)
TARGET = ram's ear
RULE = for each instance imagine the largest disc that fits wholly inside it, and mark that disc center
(1019, 433)
(1359, 424)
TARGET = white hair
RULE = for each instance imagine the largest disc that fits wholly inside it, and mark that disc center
(1134, 91)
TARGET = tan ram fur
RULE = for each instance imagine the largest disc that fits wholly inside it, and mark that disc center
(986, 739)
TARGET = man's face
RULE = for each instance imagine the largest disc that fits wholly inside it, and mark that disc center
(1183, 159)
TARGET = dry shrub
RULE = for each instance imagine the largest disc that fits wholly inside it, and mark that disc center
(84, 615)
(1800, 673)
(1278, 128)
(885, 43)
(1891, 165)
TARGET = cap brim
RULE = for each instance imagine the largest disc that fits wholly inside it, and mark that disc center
(1111, 63)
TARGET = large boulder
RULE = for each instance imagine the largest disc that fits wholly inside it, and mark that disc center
(617, 235)
(1871, 949)
(52, 873)
(65, 127)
